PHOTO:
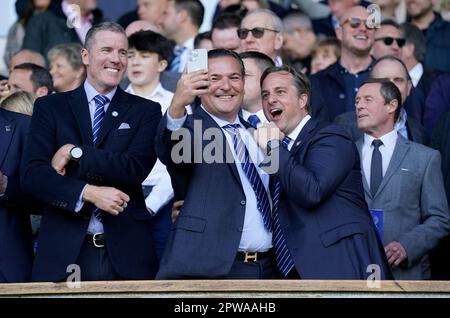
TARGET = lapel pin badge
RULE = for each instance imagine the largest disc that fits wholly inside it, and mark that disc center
(298, 142)
(115, 114)
(8, 128)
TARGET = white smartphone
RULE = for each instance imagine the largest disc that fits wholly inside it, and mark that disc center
(197, 60)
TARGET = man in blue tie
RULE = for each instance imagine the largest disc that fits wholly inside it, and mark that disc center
(322, 227)
(224, 229)
(89, 151)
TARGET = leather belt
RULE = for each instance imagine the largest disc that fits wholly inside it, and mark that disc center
(254, 256)
(98, 239)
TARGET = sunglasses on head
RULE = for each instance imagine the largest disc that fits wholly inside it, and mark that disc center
(388, 40)
(356, 22)
(256, 32)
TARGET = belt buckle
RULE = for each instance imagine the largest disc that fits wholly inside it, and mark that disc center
(250, 257)
(94, 240)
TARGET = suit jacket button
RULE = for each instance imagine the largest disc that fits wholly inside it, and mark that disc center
(243, 202)
(240, 229)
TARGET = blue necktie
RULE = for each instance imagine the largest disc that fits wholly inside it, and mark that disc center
(99, 114)
(254, 120)
(250, 171)
(282, 255)
(175, 65)
(376, 167)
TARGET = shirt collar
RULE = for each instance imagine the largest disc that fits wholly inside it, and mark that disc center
(158, 91)
(189, 44)
(220, 121)
(294, 134)
(91, 92)
(388, 139)
(246, 114)
(416, 73)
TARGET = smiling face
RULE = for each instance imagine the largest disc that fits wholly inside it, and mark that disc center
(358, 40)
(106, 60)
(281, 102)
(226, 88)
(65, 77)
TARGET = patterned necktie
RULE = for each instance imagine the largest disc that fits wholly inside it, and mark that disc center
(282, 255)
(251, 173)
(175, 65)
(99, 114)
(254, 120)
(376, 167)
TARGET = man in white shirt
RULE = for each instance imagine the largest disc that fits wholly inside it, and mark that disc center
(402, 182)
(255, 63)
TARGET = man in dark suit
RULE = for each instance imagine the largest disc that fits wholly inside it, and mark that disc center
(223, 229)
(318, 194)
(88, 153)
(16, 253)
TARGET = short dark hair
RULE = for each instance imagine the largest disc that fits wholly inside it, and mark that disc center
(299, 80)
(104, 26)
(390, 22)
(389, 91)
(152, 42)
(200, 37)
(40, 77)
(216, 53)
(194, 8)
(262, 60)
(415, 36)
(225, 21)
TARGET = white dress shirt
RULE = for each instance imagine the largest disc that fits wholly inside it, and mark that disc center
(294, 133)
(386, 149)
(260, 114)
(255, 237)
(95, 226)
(159, 178)
(416, 73)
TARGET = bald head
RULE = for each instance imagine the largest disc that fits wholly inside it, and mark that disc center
(355, 11)
(141, 25)
(26, 56)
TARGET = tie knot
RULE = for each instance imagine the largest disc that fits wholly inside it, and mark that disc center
(377, 143)
(101, 100)
(254, 120)
(232, 128)
(179, 50)
(286, 141)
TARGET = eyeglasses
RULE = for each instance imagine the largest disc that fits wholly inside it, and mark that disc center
(256, 32)
(388, 40)
(356, 22)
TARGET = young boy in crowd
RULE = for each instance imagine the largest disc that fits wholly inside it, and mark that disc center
(325, 53)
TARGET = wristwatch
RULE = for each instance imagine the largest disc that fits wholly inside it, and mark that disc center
(272, 144)
(76, 153)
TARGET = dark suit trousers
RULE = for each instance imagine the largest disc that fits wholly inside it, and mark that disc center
(261, 269)
(95, 264)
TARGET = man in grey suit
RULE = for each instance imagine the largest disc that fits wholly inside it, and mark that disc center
(402, 181)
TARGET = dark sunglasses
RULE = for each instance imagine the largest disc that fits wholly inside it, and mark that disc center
(356, 22)
(388, 40)
(256, 32)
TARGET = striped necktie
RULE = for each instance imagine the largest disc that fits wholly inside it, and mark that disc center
(251, 173)
(176, 62)
(282, 255)
(99, 114)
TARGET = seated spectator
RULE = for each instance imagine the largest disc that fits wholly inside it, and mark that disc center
(66, 67)
(325, 53)
(20, 102)
(437, 102)
(26, 56)
(389, 40)
(392, 9)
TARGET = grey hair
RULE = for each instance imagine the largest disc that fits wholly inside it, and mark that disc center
(297, 20)
(104, 26)
(70, 51)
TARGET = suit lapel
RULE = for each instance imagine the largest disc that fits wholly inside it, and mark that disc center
(304, 136)
(359, 145)
(400, 151)
(6, 133)
(116, 110)
(80, 108)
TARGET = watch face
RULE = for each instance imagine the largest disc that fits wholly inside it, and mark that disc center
(76, 153)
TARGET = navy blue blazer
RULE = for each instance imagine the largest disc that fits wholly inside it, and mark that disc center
(122, 159)
(323, 213)
(16, 253)
(205, 237)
